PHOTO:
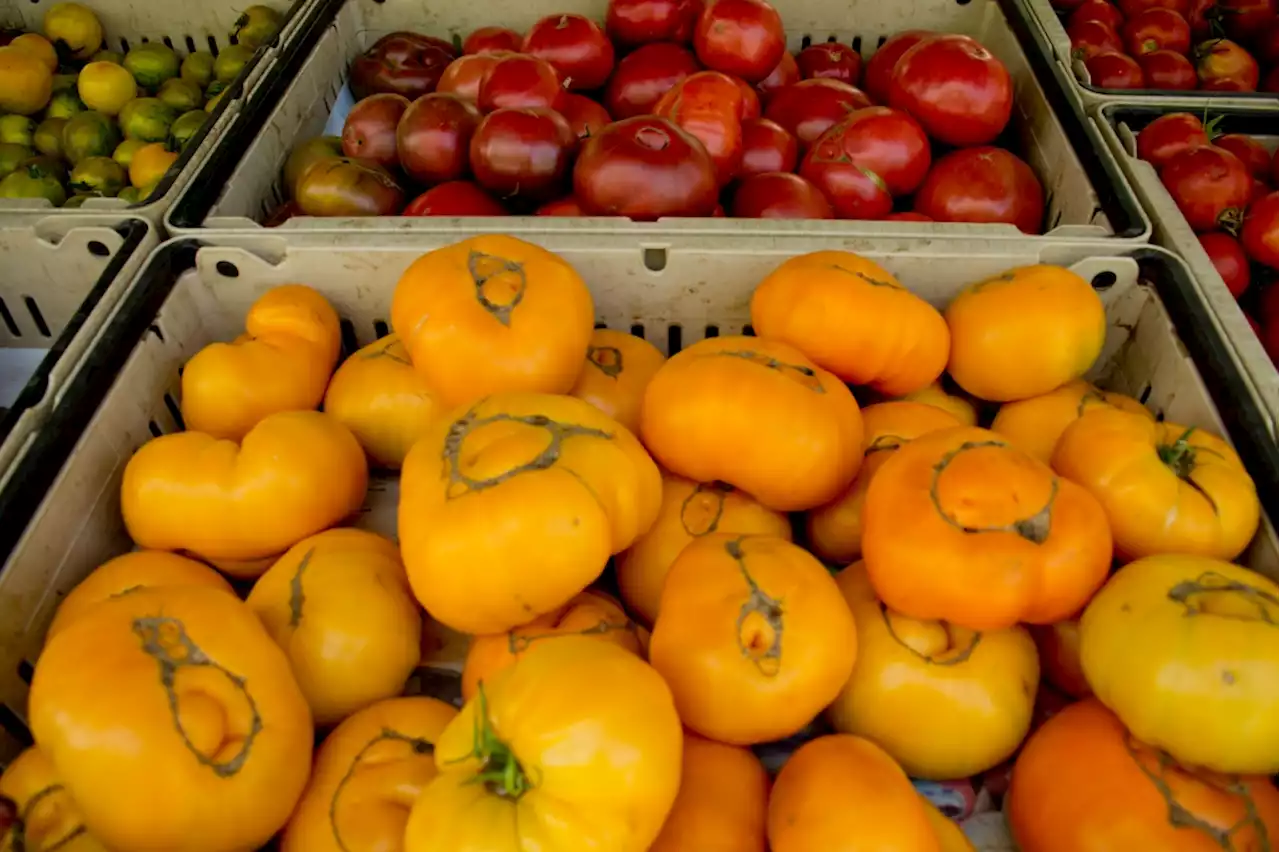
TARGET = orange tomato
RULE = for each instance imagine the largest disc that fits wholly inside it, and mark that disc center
(842, 793)
(174, 722)
(753, 638)
(532, 493)
(491, 314)
(1083, 782)
(1165, 488)
(589, 613)
(958, 406)
(1035, 425)
(950, 837)
(281, 363)
(1024, 332)
(721, 806)
(962, 526)
(368, 773)
(852, 317)
(1059, 647)
(618, 369)
(835, 530)
(689, 511)
(758, 415)
(295, 474)
(383, 400)
(48, 819)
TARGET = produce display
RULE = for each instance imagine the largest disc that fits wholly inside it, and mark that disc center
(79, 120)
(1225, 185)
(907, 546)
(670, 109)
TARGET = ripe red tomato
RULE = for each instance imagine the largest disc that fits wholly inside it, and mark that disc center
(1228, 257)
(645, 168)
(1245, 20)
(1157, 29)
(519, 81)
(832, 60)
(1170, 134)
(576, 47)
(1224, 66)
(907, 216)
(561, 207)
(810, 108)
(708, 106)
(1269, 313)
(879, 73)
(465, 74)
(643, 77)
(1260, 236)
(1254, 155)
(982, 185)
(585, 116)
(1271, 82)
(456, 198)
(1091, 38)
(740, 37)
(1132, 8)
(487, 39)
(886, 142)
(780, 195)
(750, 99)
(523, 154)
(767, 147)
(636, 22)
(370, 129)
(1260, 189)
(433, 137)
(1102, 11)
(784, 74)
(1165, 69)
(1203, 17)
(1113, 70)
(1210, 186)
(1266, 47)
(959, 92)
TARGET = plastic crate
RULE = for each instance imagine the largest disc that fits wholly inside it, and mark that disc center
(1086, 194)
(1119, 124)
(191, 294)
(185, 26)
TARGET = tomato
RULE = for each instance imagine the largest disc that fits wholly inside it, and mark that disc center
(1210, 186)
(1157, 29)
(433, 138)
(1097, 10)
(1058, 645)
(708, 106)
(907, 216)
(585, 116)
(1170, 134)
(518, 81)
(455, 198)
(643, 77)
(740, 37)
(810, 108)
(1224, 66)
(523, 153)
(784, 74)
(339, 186)
(833, 60)
(1133, 8)
(645, 168)
(639, 22)
(465, 74)
(1246, 19)
(1260, 189)
(370, 130)
(982, 185)
(1269, 312)
(1266, 47)
(575, 46)
(766, 147)
(1271, 82)
(1164, 69)
(561, 207)
(1112, 70)
(750, 99)
(1229, 259)
(779, 195)
(403, 63)
(1204, 17)
(959, 92)
(724, 793)
(1259, 235)
(885, 141)
(1091, 38)
(1252, 153)
(490, 39)
(879, 73)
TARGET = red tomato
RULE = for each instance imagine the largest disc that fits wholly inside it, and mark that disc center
(487, 39)
(1271, 82)
(645, 168)
(1228, 257)
(1157, 29)
(523, 153)
(1165, 69)
(907, 216)
(1224, 66)
(1203, 16)
(708, 106)
(465, 74)
(561, 207)
(982, 185)
(1090, 38)
(1131, 8)
(1266, 47)
(955, 88)
(879, 73)
(1246, 19)
(519, 81)
(1113, 70)
(636, 22)
(767, 147)
(780, 195)
(784, 74)
(1254, 155)
(885, 142)
(456, 198)
(750, 99)
(740, 37)
(718, 213)
(1259, 235)
(832, 60)
(643, 77)
(810, 108)
(1170, 134)
(1210, 186)
(1102, 11)
(576, 47)
(585, 116)
(1260, 189)
(433, 137)
(370, 129)
(1269, 311)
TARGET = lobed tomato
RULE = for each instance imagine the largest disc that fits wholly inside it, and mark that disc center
(959, 92)
(576, 47)
(1228, 257)
(643, 77)
(708, 106)
(888, 142)
(1210, 186)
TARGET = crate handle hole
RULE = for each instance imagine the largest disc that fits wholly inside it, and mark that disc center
(655, 259)
(601, 324)
(98, 249)
(227, 269)
(637, 330)
(748, 330)
(1104, 281)
(37, 317)
(380, 329)
(712, 331)
(675, 339)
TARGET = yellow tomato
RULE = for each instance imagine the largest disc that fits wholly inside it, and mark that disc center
(574, 748)
(174, 722)
(1183, 649)
(48, 819)
(26, 83)
(943, 701)
(75, 26)
(338, 603)
(1034, 425)
(149, 164)
(957, 405)
(617, 370)
(106, 87)
(724, 795)
(39, 47)
(368, 773)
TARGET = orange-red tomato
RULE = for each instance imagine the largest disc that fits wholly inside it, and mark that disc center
(49, 821)
(1036, 424)
(721, 806)
(1059, 648)
(617, 371)
(958, 405)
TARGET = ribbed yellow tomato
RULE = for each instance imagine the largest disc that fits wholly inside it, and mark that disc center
(48, 820)
(1184, 650)
(368, 773)
(281, 363)
(174, 722)
(339, 605)
(574, 748)
(956, 404)
(1034, 425)
(618, 369)
(723, 799)
(943, 701)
